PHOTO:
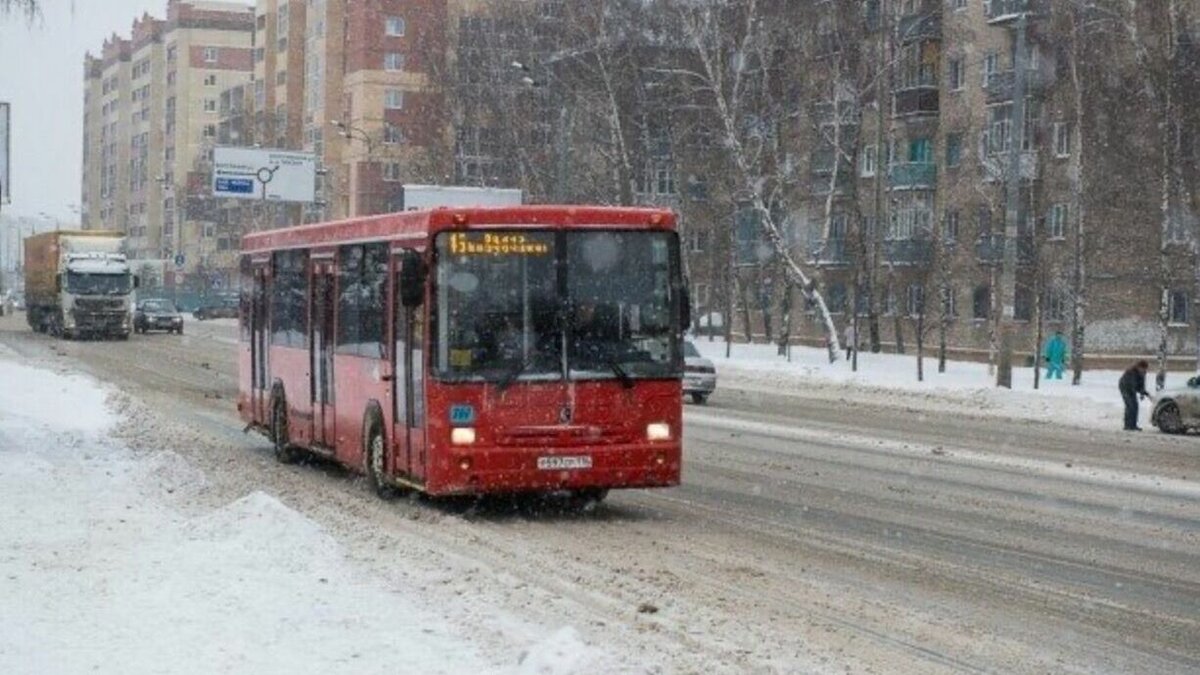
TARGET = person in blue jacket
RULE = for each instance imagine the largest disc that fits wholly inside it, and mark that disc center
(1055, 354)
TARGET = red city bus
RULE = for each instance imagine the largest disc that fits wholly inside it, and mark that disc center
(471, 351)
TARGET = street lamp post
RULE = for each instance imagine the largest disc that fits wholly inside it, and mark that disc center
(351, 132)
(562, 131)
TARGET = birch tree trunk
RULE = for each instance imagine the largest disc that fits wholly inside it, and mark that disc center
(1079, 272)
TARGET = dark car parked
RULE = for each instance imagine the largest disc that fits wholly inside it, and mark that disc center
(157, 314)
(218, 307)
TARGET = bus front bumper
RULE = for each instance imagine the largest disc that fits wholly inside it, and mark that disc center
(484, 470)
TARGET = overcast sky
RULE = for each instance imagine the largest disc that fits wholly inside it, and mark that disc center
(41, 75)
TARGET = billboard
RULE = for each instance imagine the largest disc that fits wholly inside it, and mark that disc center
(5, 138)
(264, 174)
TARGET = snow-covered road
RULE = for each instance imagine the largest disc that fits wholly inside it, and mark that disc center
(812, 534)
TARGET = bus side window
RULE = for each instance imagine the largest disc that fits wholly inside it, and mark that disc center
(362, 275)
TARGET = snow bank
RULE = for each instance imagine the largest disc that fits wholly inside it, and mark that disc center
(98, 574)
(563, 653)
(43, 399)
(892, 378)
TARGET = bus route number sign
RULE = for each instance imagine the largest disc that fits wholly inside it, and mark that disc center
(497, 244)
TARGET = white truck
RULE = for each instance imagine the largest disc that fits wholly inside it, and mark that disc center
(78, 283)
(416, 197)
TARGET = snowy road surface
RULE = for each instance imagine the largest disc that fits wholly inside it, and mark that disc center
(810, 535)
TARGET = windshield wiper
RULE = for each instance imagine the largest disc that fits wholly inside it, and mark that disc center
(626, 380)
(511, 376)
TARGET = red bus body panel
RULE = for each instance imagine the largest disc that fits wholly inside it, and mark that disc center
(514, 427)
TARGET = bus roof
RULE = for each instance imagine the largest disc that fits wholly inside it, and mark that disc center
(418, 225)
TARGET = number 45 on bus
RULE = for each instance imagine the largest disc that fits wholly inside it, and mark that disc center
(471, 351)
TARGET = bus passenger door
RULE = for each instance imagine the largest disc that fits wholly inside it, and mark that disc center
(408, 390)
(321, 352)
(259, 394)
(401, 384)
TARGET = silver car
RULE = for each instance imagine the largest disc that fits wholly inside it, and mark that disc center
(699, 374)
(1178, 410)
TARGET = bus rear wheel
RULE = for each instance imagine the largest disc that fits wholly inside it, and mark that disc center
(285, 452)
(376, 452)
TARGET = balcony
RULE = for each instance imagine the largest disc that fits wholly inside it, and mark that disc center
(910, 251)
(829, 252)
(922, 99)
(996, 162)
(918, 27)
(989, 249)
(913, 176)
(1000, 85)
(1007, 11)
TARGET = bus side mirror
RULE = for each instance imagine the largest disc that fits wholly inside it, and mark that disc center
(412, 279)
(137, 281)
(685, 309)
(58, 283)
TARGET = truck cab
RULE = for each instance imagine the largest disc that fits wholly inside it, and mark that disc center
(79, 283)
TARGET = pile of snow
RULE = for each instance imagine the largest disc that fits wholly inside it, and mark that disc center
(562, 653)
(100, 575)
(965, 387)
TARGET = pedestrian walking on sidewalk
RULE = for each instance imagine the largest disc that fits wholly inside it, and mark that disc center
(1133, 385)
(851, 338)
(1055, 354)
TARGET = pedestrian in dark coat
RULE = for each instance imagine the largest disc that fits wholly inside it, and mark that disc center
(1133, 385)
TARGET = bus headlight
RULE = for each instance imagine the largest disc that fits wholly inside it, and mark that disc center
(658, 431)
(462, 436)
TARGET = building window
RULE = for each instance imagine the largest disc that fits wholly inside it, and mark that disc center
(281, 78)
(393, 61)
(956, 74)
(1056, 306)
(1062, 139)
(391, 171)
(953, 150)
(211, 54)
(395, 26)
(960, 4)
(1058, 221)
(870, 156)
(1179, 308)
(949, 303)
(393, 99)
(991, 65)
(837, 298)
(210, 131)
(210, 105)
(950, 231)
(210, 80)
(981, 303)
(916, 300)
(1023, 304)
(392, 134)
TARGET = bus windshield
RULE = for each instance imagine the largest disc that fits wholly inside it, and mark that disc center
(537, 305)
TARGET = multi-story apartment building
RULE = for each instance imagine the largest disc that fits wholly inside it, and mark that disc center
(208, 49)
(146, 161)
(372, 99)
(279, 58)
(107, 132)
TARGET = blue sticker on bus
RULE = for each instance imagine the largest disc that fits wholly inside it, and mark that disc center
(462, 414)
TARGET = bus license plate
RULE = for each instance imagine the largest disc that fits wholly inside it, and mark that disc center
(559, 463)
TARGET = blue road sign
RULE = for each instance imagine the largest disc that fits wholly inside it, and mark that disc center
(237, 186)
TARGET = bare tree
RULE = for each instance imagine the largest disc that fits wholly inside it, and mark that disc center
(31, 9)
(729, 71)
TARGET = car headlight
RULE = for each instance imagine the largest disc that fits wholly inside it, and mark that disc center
(658, 431)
